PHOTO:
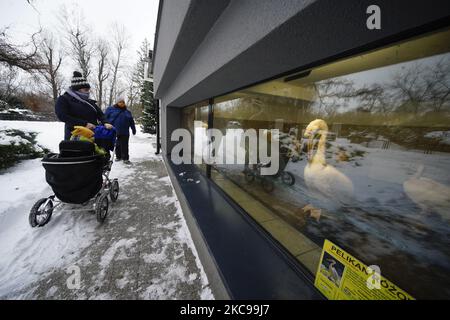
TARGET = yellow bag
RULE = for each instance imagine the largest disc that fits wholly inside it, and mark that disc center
(82, 131)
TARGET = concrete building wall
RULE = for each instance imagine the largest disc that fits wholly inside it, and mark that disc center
(185, 25)
(171, 17)
(241, 25)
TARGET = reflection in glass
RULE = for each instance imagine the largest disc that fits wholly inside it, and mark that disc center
(429, 195)
(322, 179)
(364, 161)
(197, 112)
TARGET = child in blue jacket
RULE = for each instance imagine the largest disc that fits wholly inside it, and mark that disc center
(122, 119)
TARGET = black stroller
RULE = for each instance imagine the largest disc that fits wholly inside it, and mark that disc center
(77, 176)
(267, 182)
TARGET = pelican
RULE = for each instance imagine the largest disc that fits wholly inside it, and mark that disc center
(428, 194)
(319, 176)
(334, 276)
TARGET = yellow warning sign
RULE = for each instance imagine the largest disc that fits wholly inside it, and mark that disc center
(341, 276)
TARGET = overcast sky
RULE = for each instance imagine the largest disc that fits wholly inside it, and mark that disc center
(138, 16)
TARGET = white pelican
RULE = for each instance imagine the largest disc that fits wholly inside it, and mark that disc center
(334, 276)
(319, 176)
(428, 194)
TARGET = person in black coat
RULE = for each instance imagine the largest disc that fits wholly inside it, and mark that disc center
(74, 107)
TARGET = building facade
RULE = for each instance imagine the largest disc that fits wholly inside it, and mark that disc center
(359, 92)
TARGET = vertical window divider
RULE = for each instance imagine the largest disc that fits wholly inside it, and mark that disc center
(210, 126)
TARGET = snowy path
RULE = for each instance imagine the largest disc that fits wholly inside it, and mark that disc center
(142, 251)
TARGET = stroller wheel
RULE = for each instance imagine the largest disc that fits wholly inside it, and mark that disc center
(101, 208)
(288, 178)
(114, 190)
(249, 176)
(268, 185)
(41, 213)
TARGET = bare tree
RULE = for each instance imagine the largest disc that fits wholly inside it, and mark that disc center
(410, 89)
(53, 59)
(133, 90)
(78, 36)
(333, 94)
(120, 40)
(16, 56)
(9, 83)
(439, 76)
(375, 98)
(102, 48)
(423, 87)
(137, 88)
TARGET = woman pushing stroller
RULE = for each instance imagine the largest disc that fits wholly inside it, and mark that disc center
(75, 108)
(79, 173)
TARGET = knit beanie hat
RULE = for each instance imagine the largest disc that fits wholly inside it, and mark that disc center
(78, 81)
(120, 98)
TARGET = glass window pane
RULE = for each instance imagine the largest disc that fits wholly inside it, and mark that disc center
(197, 112)
(364, 161)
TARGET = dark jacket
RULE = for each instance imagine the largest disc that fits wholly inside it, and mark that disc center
(121, 119)
(76, 113)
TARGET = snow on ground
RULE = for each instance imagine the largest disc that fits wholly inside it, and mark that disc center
(184, 235)
(27, 179)
(27, 256)
(26, 253)
(443, 136)
(50, 134)
(17, 110)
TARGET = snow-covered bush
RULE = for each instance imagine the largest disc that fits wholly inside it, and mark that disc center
(16, 145)
(442, 136)
(19, 114)
(3, 105)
